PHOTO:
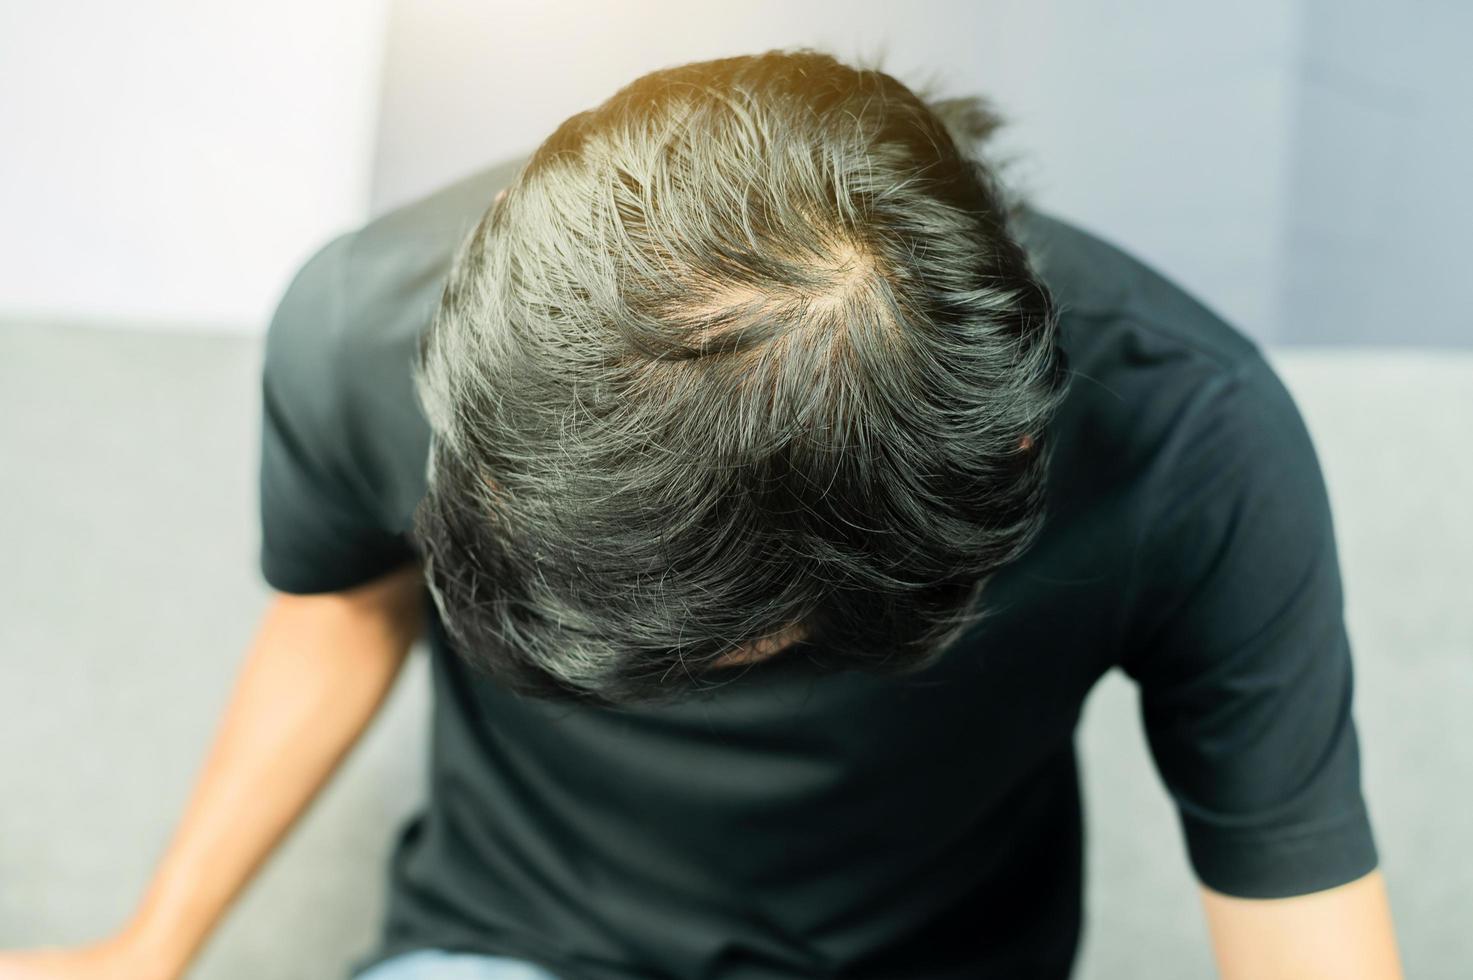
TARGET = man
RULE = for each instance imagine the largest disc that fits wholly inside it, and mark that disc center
(775, 487)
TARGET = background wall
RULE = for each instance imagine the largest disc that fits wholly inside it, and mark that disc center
(170, 163)
(1165, 126)
(1299, 164)
(1379, 198)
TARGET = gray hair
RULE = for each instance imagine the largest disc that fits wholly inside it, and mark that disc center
(749, 344)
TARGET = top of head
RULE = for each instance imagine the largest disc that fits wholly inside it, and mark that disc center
(744, 347)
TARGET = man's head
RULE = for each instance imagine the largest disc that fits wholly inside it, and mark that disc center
(745, 354)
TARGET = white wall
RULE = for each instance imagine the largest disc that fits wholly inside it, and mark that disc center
(1299, 164)
(1381, 184)
(1163, 126)
(168, 160)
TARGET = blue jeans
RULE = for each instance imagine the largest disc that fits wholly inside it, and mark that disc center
(437, 964)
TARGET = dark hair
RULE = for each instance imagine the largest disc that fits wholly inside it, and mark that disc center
(750, 344)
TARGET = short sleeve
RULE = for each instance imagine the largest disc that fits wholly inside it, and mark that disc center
(1238, 645)
(318, 533)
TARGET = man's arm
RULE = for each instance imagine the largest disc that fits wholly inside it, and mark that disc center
(1239, 645)
(315, 675)
(1340, 933)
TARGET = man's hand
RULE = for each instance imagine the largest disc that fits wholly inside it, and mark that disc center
(110, 959)
(1342, 933)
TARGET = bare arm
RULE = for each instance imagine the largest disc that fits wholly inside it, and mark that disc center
(314, 676)
(1344, 933)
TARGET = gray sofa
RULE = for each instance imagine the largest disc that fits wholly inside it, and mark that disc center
(130, 592)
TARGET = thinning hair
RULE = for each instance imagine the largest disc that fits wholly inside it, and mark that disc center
(749, 344)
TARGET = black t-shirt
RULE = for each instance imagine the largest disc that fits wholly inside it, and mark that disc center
(792, 824)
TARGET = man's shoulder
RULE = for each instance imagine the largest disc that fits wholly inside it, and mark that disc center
(1142, 349)
(367, 275)
(427, 229)
(1164, 392)
(1101, 286)
(395, 264)
(340, 347)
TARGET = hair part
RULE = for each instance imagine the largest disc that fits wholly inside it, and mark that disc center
(748, 344)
